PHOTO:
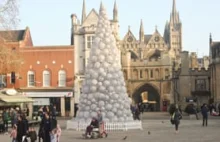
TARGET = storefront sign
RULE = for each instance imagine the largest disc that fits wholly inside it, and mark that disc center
(48, 94)
(41, 101)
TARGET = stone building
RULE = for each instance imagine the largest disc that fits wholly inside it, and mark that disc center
(192, 80)
(214, 51)
(147, 61)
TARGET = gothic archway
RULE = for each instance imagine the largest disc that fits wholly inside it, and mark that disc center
(152, 97)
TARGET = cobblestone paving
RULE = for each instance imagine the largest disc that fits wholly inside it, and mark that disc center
(155, 130)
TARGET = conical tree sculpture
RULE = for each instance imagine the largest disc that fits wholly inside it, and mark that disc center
(104, 86)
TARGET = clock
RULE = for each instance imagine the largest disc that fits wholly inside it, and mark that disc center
(129, 39)
(157, 38)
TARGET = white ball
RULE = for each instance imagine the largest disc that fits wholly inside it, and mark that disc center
(105, 64)
(101, 58)
(108, 106)
(101, 45)
(94, 58)
(111, 88)
(101, 103)
(106, 51)
(109, 76)
(86, 114)
(93, 88)
(97, 65)
(106, 83)
(110, 114)
(94, 81)
(94, 74)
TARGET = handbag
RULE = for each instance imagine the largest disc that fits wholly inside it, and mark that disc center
(172, 118)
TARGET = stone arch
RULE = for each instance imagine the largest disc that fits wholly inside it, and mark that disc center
(153, 94)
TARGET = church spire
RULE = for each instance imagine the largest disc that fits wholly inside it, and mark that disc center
(115, 12)
(174, 16)
(83, 12)
(141, 32)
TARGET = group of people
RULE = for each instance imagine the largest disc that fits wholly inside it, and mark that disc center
(176, 116)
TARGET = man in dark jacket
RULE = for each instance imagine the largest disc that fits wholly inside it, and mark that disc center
(176, 117)
(46, 128)
(205, 111)
(20, 129)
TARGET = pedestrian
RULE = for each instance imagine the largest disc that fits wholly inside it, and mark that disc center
(14, 133)
(20, 129)
(176, 117)
(32, 134)
(5, 120)
(53, 135)
(59, 132)
(46, 128)
(101, 124)
(205, 111)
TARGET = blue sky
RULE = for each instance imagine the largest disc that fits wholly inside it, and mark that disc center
(50, 23)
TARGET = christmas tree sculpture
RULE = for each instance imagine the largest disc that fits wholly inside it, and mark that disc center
(104, 86)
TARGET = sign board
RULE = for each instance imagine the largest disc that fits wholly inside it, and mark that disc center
(47, 94)
(41, 101)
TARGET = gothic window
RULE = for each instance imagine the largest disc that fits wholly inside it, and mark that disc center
(125, 74)
(46, 78)
(200, 85)
(146, 74)
(62, 78)
(135, 74)
(151, 73)
(31, 79)
(141, 74)
(90, 40)
(166, 73)
(157, 74)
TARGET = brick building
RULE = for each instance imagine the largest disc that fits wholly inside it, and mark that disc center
(46, 73)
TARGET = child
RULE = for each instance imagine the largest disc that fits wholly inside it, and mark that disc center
(53, 135)
(32, 134)
(58, 132)
(14, 133)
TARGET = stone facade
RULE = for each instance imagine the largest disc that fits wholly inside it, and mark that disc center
(192, 80)
(146, 61)
(215, 69)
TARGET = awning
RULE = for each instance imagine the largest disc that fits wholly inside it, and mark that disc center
(15, 99)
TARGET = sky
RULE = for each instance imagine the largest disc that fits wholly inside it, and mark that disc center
(50, 23)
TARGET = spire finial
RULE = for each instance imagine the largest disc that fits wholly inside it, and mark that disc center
(83, 12)
(101, 6)
(115, 12)
(141, 32)
(174, 6)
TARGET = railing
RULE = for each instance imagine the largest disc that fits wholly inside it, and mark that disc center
(109, 126)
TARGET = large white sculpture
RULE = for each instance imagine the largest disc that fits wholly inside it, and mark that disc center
(104, 87)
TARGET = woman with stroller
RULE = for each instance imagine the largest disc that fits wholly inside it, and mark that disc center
(94, 124)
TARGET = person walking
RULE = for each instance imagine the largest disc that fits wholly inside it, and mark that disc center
(20, 129)
(205, 111)
(46, 128)
(101, 125)
(59, 132)
(14, 133)
(176, 119)
(5, 115)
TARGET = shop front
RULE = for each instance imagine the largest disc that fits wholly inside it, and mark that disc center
(10, 98)
(63, 101)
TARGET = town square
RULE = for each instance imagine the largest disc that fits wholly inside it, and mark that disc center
(105, 82)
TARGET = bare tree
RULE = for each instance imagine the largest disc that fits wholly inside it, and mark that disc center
(9, 14)
(10, 57)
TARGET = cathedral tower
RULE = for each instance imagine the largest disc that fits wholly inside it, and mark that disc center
(173, 32)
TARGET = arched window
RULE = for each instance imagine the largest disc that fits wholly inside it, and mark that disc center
(46, 78)
(62, 78)
(31, 79)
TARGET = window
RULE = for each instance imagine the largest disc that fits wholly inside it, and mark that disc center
(200, 85)
(2, 81)
(141, 74)
(31, 79)
(46, 78)
(151, 74)
(90, 40)
(62, 78)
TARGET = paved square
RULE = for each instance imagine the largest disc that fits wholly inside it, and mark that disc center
(160, 130)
